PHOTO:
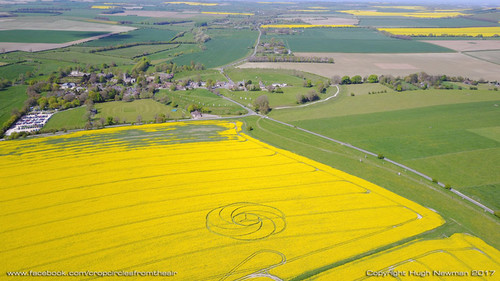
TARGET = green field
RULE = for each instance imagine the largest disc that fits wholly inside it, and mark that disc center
(269, 76)
(68, 119)
(204, 98)
(204, 75)
(12, 71)
(168, 55)
(225, 46)
(136, 51)
(433, 131)
(366, 88)
(66, 55)
(352, 40)
(287, 98)
(11, 98)
(45, 36)
(138, 35)
(126, 112)
(459, 215)
(421, 22)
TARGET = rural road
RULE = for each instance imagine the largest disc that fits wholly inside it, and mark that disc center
(242, 60)
(251, 112)
(308, 104)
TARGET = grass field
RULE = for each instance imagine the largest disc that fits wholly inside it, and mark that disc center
(204, 75)
(68, 119)
(270, 76)
(135, 51)
(12, 71)
(143, 189)
(138, 35)
(460, 216)
(128, 111)
(125, 111)
(287, 98)
(168, 55)
(352, 40)
(67, 55)
(44, 36)
(11, 98)
(431, 131)
(204, 98)
(226, 45)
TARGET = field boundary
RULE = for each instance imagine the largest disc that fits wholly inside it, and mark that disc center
(308, 104)
(463, 196)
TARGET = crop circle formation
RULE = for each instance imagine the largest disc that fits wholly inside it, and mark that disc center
(246, 221)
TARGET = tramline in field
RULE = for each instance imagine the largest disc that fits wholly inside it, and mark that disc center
(202, 199)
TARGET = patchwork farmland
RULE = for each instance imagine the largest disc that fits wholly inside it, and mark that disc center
(202, 190)
(237, 140)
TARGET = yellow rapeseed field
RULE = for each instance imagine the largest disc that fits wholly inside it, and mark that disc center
(409, 14)
(228, 13)
(304, 25)
(192, 3)
(310, 11)
(103, 7)
(285, 3)
(402, 7)
(465, 256)
(200, 200)
(456, 31)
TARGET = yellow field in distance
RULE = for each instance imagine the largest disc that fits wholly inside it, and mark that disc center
(311, 11)
(402, 7)
(192, 3)
(410, 14)
(462, 255)
(145, 198)
(103, 7)
(305, 25)
(228, 13)
(284, 3)
(458, 31)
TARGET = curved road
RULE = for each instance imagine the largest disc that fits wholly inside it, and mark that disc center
(251, 112)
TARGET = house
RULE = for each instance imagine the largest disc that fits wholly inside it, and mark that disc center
(128, 79)
(68, 85)
(280, 85)
(77, 73)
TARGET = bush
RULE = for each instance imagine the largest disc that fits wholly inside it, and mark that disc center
(434, 180)
(250, 128)
(380, 156)
(497, 213)
(447, 186)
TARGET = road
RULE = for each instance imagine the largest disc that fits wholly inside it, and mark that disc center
(242, 60)
(251, 112)
(308, 104)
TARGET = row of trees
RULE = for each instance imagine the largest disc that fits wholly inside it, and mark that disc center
(356, 79)
(290, 58)
(312, 95)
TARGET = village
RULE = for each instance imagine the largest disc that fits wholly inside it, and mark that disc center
(104, 87)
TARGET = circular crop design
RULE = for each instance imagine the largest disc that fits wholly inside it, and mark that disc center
(246, 221)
